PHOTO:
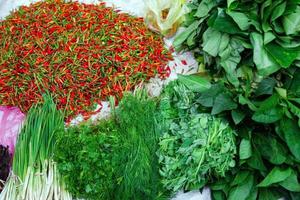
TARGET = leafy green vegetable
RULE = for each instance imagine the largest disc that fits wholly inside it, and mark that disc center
(264, 32)
(291, 183)
(113, 159)
(242, 190)
(195, 83)
(291, 132)
(276, 175)
(263, 144)
(193, 146)
(85, 159)
(251, 51)
(138, 172)
(245, 149)
(34, 173)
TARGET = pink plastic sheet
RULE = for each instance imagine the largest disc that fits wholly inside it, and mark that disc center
(11, 119)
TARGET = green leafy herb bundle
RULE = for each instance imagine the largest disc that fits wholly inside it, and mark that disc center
(113, 159)
(138, 174)
(85, 159)
(194, 147)
(34, 175)
(5, 159)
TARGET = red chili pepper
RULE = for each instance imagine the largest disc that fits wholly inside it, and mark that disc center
(184, 62)
(80, 59)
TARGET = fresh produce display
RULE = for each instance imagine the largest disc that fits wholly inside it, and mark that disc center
(250, 49)
(138, 172)
(113, 159)
(85, 159)
(233, 127)
(236, 36)
(5, 160)
(34, 175)
(194, 147)
(80, 53)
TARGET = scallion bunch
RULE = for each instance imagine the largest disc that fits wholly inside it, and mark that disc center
(34, 175)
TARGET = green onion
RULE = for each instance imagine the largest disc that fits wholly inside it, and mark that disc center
(34, 175)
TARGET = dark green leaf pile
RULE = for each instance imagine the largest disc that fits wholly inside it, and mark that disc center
(251, 50)
(235, 35)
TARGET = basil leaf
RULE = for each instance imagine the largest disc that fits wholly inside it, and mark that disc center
(244, 101)
(268, 111)
(266, 86)
(185, 34)
(213, 41)
(240, 178)
(268, 116)
(241, 19)
(256, 162)
(208, 97)
(230, 58)
(291, 22)
(218, 195)
(269, 103)
(268, 194)
(204, 7)
(224, 23)
(253, 194)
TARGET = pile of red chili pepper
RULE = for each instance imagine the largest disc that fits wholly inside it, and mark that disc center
(79, 53)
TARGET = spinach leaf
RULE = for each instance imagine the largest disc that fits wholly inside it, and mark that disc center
(195, 83)
(245, 149)
(275, 176)
(242, 191)
(291, 183)
(291, 132)
(223, 102)
(265, 64)
(270, 148)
